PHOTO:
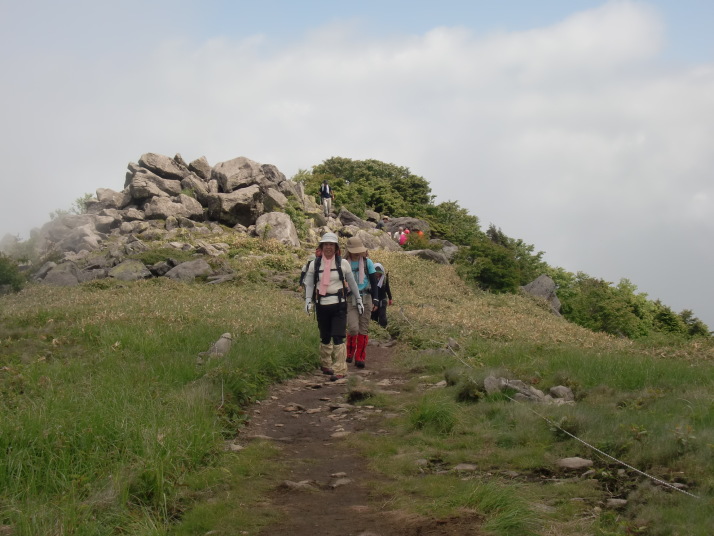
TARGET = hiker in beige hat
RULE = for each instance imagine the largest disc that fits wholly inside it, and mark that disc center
(325, 288)
(358, 321)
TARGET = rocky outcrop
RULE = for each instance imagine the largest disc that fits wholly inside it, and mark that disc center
(165, 196)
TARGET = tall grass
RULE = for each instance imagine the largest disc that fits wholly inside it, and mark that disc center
(647, 404)
(109, 425)
(105, 409)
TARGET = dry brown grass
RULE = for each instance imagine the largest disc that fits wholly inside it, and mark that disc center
(433, 300)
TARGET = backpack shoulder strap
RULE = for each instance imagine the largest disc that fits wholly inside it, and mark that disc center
(338, 261)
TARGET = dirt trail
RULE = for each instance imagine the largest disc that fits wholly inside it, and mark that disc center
(328, 491)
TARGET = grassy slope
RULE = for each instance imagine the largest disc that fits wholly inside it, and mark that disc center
(109, 426)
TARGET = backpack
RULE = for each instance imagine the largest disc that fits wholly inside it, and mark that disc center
(341, 292)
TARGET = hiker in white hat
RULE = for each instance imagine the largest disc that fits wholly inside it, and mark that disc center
(362, 269)
(325, 287)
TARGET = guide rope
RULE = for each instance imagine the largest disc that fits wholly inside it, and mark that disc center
(555, 425)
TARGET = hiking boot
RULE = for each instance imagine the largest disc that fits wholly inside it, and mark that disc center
(336, 377)
(359, 364)
(348, 360)
(327, 371)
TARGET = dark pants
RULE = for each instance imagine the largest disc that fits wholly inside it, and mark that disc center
(380, 315)
(332, 322)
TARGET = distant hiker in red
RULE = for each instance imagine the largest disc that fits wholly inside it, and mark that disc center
(358, 321)
(404, 237)
(325, 286)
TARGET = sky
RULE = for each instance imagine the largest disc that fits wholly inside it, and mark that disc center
(584, 128)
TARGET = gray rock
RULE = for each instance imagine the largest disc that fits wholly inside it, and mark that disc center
(163, 166)
(182, 206)
(545, 288)
(237, 173)
(132, 214)
(560, 391)
(413, 224)
(111, 199)
(465, 468)
(63, 275)
(279, 226)
(201, 167)
(429, 255)
(190, 270)
(145, 184)
(199, 187)
(347, 218)
(273, 199)
(240, 206)
(493, 385)
(574, 463)
(219, 348)
(129, 270)
(447, 248)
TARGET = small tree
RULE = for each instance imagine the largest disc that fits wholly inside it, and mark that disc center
(79, 206)
(10, 274)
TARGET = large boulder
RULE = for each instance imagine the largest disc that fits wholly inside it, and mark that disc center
(372, 239)
(129, 270)
(163, 208)
(201, 167)
(429, 255)
(144, 184)
(544, 287)
(240, 206)
(447, 248)
(348, 218)
(199, 187)
(63, 275)
(163, 166)
(237, 173)
(108, 198)
(413, 224)
(273, 199)
(279, 226)
(190, 270)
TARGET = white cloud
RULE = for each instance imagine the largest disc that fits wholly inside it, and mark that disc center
(574, 137)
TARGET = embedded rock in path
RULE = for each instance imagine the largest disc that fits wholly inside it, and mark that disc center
(574, 463)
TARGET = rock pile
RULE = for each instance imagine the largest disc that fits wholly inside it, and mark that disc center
(167, 201)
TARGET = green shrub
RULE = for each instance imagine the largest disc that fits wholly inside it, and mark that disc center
(10, 273)
(433, 414)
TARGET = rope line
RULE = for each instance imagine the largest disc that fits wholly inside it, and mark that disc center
(550, 422)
